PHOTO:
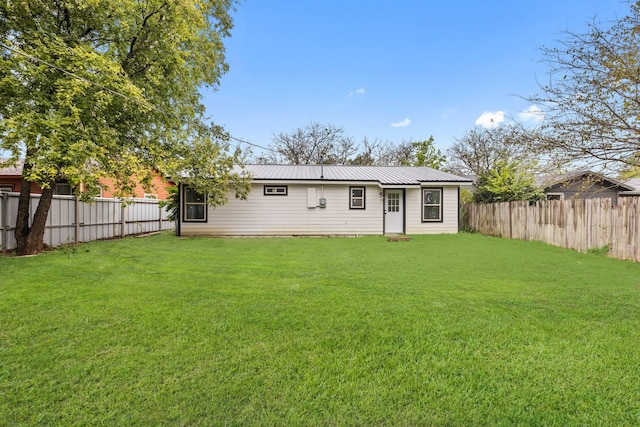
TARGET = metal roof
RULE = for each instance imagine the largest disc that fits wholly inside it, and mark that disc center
(590, 176)
(385, 175)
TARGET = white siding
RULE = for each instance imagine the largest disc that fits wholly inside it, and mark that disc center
(449, 224)
(262, 215)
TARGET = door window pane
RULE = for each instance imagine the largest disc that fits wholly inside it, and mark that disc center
(393, 202)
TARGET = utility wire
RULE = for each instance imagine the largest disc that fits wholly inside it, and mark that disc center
(42, 61)
(252, 144)
(114, 92)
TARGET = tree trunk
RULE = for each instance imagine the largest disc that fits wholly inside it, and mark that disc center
(30, 238)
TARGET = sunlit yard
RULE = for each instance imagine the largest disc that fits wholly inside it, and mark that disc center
(440, 330)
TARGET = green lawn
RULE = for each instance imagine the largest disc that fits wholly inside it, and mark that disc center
(441, 330)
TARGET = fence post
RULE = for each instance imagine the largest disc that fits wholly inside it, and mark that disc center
(160, 215)
(76, 206)
(123, 220)
(4, 225)
(635, 237)
(511, 219)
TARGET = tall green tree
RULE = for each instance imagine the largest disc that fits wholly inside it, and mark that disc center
(102, 88)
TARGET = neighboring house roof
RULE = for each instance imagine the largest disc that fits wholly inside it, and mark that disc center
(547, 182)
(473, 178)
(635, 184)
(384, 175)
(10, 170)
(626, 187)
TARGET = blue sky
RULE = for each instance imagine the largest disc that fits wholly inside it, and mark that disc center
(394, 70)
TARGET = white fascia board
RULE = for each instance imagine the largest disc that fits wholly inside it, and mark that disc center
(398, 186)
(445, 183)
(312, 182)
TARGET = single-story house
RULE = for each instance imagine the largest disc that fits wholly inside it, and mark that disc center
(11, 181)
(308, 200)
(583, 185)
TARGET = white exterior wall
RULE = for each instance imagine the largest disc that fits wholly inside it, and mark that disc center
(262, 215)
(413, 207)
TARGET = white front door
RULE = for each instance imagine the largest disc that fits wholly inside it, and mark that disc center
(393, 212)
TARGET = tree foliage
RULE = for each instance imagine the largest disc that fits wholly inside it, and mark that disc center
(316, 143)
(426, 154)
(96, 88)
(593, 95)
(319, 143)
(480, 150)
(502, 161)
(406, 153)
(507, 181)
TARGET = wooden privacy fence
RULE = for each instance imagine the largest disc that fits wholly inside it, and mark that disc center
(73, 221)
(580, 224)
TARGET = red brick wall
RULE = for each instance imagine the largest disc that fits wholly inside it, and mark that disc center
(159, 188)
(15, 181)
(159, 183)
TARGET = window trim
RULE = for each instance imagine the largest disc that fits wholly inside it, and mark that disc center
(423, 204)
(272, 190)
(185, 204)
(6, 188)
(363, 198)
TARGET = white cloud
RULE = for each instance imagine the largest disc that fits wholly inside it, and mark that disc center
(359, 91)
(490, 120)
(401, 124)
(532, 114)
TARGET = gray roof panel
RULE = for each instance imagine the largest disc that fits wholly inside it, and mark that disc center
(385, 175)
(553, 180)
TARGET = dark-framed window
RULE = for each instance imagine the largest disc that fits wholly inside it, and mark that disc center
(195, 206)
(6, 188)
(62, 189)
(357, 197)
(276, 190)
(432, 205)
